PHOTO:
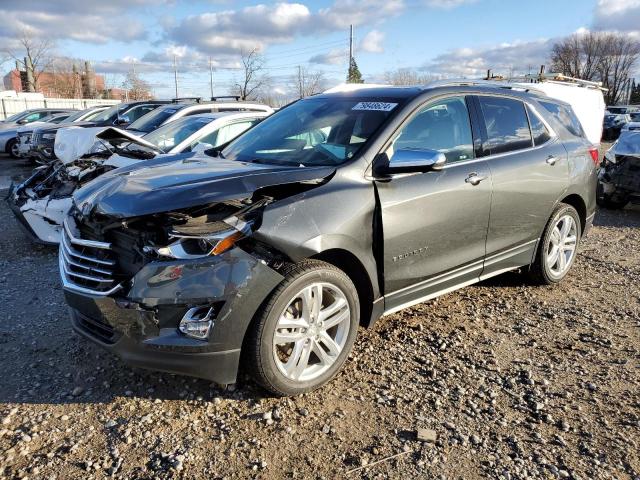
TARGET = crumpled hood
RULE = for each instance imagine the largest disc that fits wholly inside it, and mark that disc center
(166, 184)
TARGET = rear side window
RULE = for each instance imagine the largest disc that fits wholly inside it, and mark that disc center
(506, 123)
(539, 131)
(565, 116)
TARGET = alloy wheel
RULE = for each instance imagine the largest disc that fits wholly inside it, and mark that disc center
(15, 149)
(311, 331)
(561, 248)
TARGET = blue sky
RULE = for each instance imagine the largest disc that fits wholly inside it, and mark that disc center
(437, 37)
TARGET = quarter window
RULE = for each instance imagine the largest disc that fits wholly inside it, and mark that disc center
(565, 116)
(443, 126)
(538, 129)
(506, 123)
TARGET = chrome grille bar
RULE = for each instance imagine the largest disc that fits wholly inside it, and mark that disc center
(80, 268)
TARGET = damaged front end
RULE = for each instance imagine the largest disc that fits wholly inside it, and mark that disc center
(173, 290)
(42, 201)
(619, 176)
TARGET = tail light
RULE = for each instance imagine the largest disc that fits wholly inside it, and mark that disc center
(593, 151)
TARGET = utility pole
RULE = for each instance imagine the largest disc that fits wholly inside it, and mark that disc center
(300, 85)
(175, 74)
(211, 76)
(350, 43)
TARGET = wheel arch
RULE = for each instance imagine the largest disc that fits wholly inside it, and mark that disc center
(355, 270)
(579, 204)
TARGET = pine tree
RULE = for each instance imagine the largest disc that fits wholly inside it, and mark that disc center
(354, 75)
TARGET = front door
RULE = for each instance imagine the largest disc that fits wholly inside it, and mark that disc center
(434, 223)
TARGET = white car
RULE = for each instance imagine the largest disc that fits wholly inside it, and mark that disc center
(171, 112)
(41, 202)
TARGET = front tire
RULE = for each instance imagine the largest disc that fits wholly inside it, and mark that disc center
(558, 247)
(305, 330)
(12, 148)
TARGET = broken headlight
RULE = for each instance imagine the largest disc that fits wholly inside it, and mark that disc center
(188, 244)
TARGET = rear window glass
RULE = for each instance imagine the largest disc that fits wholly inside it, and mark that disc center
(153, 120)
(506, 123)
(565, 116)
(539, 131)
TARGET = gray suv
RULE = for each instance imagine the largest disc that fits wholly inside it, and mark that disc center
(270, 251)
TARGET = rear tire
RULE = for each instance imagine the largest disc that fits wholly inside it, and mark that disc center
(558, 246)
(304, 331)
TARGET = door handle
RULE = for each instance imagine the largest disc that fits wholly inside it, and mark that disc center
(474, 179)
(551, 160)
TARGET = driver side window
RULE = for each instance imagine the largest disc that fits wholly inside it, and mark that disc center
(443, 126)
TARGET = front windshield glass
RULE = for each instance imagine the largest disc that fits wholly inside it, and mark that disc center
(154, 119)
(171, 134)
(315, 131)
(16, 116)
(109, 113)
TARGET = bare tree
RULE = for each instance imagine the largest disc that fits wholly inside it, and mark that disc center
(406, 76)
(138, 88)
(253, 78)
(306, 82)
(33, 55)
(598, 56)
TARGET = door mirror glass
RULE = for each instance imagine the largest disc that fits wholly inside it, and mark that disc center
(415, 160)
(22, 122)
(122, 120)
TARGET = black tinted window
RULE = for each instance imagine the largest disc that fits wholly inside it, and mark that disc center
(443, 126)
(507, 124)
(565, 116)
(538, 129)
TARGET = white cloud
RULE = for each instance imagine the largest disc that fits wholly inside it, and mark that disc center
(446, 4)
(506, 58)
(617, 15)
(337, 56)
(258, 26)
(372, 42)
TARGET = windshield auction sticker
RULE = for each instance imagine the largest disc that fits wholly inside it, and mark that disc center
(376, 106)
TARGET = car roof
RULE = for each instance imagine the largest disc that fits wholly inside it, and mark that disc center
(229, 115)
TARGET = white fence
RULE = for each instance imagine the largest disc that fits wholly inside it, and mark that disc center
(9, 106)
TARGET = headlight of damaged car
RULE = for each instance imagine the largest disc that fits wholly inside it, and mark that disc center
(191, 243)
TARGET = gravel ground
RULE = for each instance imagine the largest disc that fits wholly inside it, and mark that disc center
(499, 380)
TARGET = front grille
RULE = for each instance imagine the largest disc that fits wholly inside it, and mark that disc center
(86, 266)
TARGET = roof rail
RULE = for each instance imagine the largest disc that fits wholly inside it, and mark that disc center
(465, 82)
(182, 99)
(234, 97)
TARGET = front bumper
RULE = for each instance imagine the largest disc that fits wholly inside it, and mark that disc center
(140, 326)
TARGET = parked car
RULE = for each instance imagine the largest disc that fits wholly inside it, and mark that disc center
(34, 147)
(619, 177)
(169, 113)
(622, 109)
(9, 126)
(332, 212)
(613, 125)
(633, 123)
(41, 202)
(25, 133)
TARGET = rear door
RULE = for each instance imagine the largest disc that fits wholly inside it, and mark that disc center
(529, 173)
(435, 223)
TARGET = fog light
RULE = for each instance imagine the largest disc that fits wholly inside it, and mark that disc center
(197, 322)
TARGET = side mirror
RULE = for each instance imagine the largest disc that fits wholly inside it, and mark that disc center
(122, 120)
(22, 121)
(414, 161)
(201, 147)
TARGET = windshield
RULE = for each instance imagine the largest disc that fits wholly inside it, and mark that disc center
(109, 113)
(315, 131)
(154, 119)
(171, 134)
(17, 116)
